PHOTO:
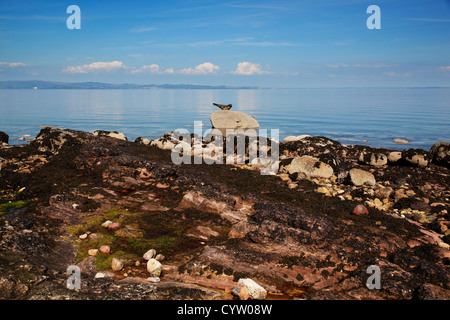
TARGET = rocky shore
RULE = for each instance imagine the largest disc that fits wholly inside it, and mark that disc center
(140, 227)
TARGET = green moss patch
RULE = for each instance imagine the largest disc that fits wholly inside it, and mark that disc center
(5, 207)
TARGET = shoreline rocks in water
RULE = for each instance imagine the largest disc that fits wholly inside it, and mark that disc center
(294, 234)
(4, 138)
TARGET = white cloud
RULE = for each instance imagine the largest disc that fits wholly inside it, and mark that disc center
(248, 68)
(204, 68)
(152, 68)
(367, 65)
(96, 67)
(337, 65)
(395, 74)
(143, 29)
(13, 64)
(430, 20)
(445, 68)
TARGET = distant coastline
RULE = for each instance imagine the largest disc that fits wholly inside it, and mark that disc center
(39, 84)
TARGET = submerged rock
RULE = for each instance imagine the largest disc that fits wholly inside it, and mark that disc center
(402, 141)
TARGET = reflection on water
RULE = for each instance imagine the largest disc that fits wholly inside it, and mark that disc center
(350, 116)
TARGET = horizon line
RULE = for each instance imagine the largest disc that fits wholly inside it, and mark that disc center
(220, 86)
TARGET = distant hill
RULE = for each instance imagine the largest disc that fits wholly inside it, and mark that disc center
(31, 84)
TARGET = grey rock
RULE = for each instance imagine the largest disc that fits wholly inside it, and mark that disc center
(311, 167)
(440, 153)
(360, 177)
(4, 138)
(154, 267)
(373, 159)
(116, 264)
(254, 290)
(416, 157)
(141, 140)
(113, 134)
(402, 141)
(394, 157)
(226, 119)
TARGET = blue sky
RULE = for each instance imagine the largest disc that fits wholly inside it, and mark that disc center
(314, 43)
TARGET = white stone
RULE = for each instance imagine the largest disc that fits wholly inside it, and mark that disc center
(106, 223)
(310, 166)
(154, 279)
(373, 159)
(295, 138)
(403, 141)
(112, 134)
(394, 156)
(254, 290)
(361, 177)
(149, 254)
(93, 252)
(154, 267)
(226, 119)
(116, 264)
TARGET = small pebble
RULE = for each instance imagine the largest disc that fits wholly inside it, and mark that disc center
(104, 249)
(154, 279)
(93, 252)
(114, 226)
(160, 257)
(106, 223)
(116, 264)
(149, 254)
(360, 210)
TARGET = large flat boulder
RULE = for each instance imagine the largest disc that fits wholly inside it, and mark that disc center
(226, 119)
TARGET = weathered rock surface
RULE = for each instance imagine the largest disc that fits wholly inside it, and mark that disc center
(361, 177)
(4, 138)
(440, 152)
(227, 119)
(373, 159)
(215, 224)
(310, 166)
(112, 134)
(416, 157)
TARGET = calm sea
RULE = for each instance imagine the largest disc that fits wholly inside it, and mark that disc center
(350, 116)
